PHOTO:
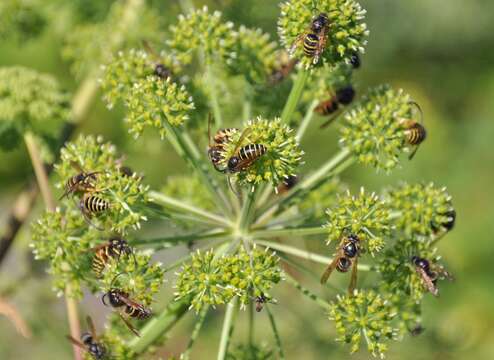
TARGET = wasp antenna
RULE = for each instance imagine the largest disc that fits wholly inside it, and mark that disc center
(103, 299)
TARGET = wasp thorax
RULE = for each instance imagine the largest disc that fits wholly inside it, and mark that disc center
(320, 22)
(345, 95)
(233, 163)
(421, 263)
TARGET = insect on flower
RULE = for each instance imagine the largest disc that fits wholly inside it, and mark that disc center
(89, 342)
(415, 132)
(80, 182)
(118, 298)
(314, 39)
(342, 96)
(284, 69)
(216, 149)
(430, 274)
(91, 204)
(114, 248)
(261, 300)
(287, 184)
(346, 256)
(160, 70)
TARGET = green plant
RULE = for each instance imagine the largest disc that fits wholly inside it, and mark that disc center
(241, 234)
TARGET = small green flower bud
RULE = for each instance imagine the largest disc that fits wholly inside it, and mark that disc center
(30, 101)
(122, 72)
(256, 56)
(421, 209)
(62, 238)
(152, 101)
(20, 20)
(346, 32)
(363, 315)
(205, 31)
(374, 132)
(364, 215)
(282, 157)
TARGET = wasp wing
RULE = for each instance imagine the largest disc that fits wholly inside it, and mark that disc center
(129, 325)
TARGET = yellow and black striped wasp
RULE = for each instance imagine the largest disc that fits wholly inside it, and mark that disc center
(114, 248)
(314, 39)
(118, 298)
(346, 256)
(430, 274)
(342, 96)
(217, 147)
(92, 204)
(89, 342)
(415, 132)
(81, 182)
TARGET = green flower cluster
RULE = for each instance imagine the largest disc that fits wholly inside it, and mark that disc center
(364, 215)
(157, 103)
(211, 280)
(204, 31)
(364, 315)
(29, 101)
(420, 210)
(314, 205)
(125, 194)
(282, 157)
(20, 20)
(255, 55)
(127, 68)
(326, 80)
(373, 130)
(346, 34)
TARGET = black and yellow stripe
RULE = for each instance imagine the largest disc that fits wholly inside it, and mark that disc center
(415, 134)
(95, 204)
(252, 152)
(311, 42)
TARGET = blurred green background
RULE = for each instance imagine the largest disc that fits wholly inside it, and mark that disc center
(442, 52)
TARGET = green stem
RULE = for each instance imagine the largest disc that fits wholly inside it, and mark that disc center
(186, 148)
(159, 325)
(304, 231)
(321, 302)
(248, 206)
(295, 94)
(275, 333)
(250, 335)
(304, 254)
(181, 205)
(333, 167)
(195, 332)
(306, 120)
(227, 330)
(177, 239)
(213, 95)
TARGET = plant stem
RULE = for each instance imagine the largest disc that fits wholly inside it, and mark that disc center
(306, 120)
(213, 95)
(186, 148)
(250, 334)
(181, 205)
(44, 185)
(195, 332)
(276, 334)
(304, 254)
(304, 231)
(159, 325)
(331, 168)
(176, 239)
(295, 94)
(248, 206)
(321, 302)
(227, 329)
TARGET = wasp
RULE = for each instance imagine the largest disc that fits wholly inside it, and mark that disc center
(448, 224)
(89, 342)
(160, 70)
(342, 96)
(429, 274)
(91, 204)
(216, 148)
(120, 299)
(115, 248)
(415, 132)
(83, 181)
(287, 184)
(314, 39)
(261, 300)
(346, 257)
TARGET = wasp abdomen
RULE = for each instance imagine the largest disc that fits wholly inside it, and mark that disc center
(252, 151)
(416, 134)
(95, 204)
(310, 44)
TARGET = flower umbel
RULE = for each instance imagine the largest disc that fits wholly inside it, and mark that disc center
(364, 215)
(364, 314)
(347, 31)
